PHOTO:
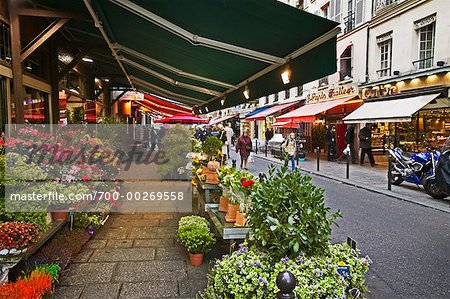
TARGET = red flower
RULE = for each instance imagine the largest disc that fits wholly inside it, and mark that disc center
(248, 184)
(85, 178)
(242, 180)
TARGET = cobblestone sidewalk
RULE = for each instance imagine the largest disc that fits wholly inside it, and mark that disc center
(133, 256)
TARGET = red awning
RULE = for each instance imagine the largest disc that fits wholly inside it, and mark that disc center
(164, 106)
(182, 119)
(286, 125)
(308, 112)
(222, 119)
(269, 111)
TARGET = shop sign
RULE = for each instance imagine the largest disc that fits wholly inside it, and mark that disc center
(332, 93)
(379, 91)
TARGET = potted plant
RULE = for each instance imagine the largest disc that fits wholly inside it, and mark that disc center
(241, 214)
(194, 234)
(224, 199)
(16, 237)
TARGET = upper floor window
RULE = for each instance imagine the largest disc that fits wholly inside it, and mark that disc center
(323, 81)
(266, 100)
(288, 93)
(275, 99)
(380, 4)
(325, 10)
(299, 90)
(385, 47)
(426, 39)
(335, 10)
(345, 60)
(355, 10)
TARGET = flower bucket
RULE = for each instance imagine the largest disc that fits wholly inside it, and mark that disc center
(212, 178)
(196, 259)
(59, 215)
(241, 219)
(231, 212)
(223, 204)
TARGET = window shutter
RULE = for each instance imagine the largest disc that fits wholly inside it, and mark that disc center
(359, 11)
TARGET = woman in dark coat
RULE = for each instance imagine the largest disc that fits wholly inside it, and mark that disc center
(244, 148)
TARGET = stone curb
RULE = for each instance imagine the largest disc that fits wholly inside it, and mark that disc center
(368, 188)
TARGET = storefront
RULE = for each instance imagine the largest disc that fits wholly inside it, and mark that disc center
(413, 114)
(264, 119)
(323, 107)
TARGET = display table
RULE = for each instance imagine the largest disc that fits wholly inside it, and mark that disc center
(206, 204)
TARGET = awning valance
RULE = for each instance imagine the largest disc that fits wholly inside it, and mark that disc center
(257, 110)
(270, 111)
(203, 53)
(399, 110)
(286, 125)
(307, 113)
(222, 119)
(182, 119)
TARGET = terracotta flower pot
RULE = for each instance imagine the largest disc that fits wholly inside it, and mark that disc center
(231, 213)
(59, 215)
(212, 178)
(241, 219)
(223, 204)
(196, 259)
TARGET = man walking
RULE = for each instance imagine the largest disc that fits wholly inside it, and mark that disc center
(350, 141)
(230, 135)
(365, 143)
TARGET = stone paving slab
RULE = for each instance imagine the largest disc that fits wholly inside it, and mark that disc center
(152, 232)
(118, 243)
(123, 254)
(83, 256)
(190, 287)
(119, 222)
(103, 291)
(154, 243)
(152, 289)
(149, 271)
(68, 292)
(173, 253)
(112, 233)
(88, 273)
(95, 244)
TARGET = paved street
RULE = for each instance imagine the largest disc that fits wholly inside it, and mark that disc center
(409, 243)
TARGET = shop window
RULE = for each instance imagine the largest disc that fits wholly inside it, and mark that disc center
(345, 72)
(385, 58)
(426, 46)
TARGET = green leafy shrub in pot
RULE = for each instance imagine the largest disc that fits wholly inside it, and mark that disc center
(197, 239)
(243, 274)
(52, 269)
(194, 234)
(248, 274)
(288, 215)
(211, 146)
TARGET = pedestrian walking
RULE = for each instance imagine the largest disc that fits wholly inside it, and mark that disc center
(350, 143)
(223, 137)
(153, 138)
(230, 135)
(268, 134)
(331, 143)
(146, 137)
(290, 148)
(365, 143)
(244, 148)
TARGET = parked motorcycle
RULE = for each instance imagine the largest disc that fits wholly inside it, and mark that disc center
(437, 184)
(414, 169)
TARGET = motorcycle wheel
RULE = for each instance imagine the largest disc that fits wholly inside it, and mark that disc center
(433, 190)
(396, 178)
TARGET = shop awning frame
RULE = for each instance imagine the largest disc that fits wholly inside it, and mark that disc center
(395, 110)
(222, 119)
(307, 113)
(271, 110)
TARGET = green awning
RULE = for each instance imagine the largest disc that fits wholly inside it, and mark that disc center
(204, 53)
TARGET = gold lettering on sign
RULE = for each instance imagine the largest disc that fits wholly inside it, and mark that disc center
(332, 93)
(379, 91)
